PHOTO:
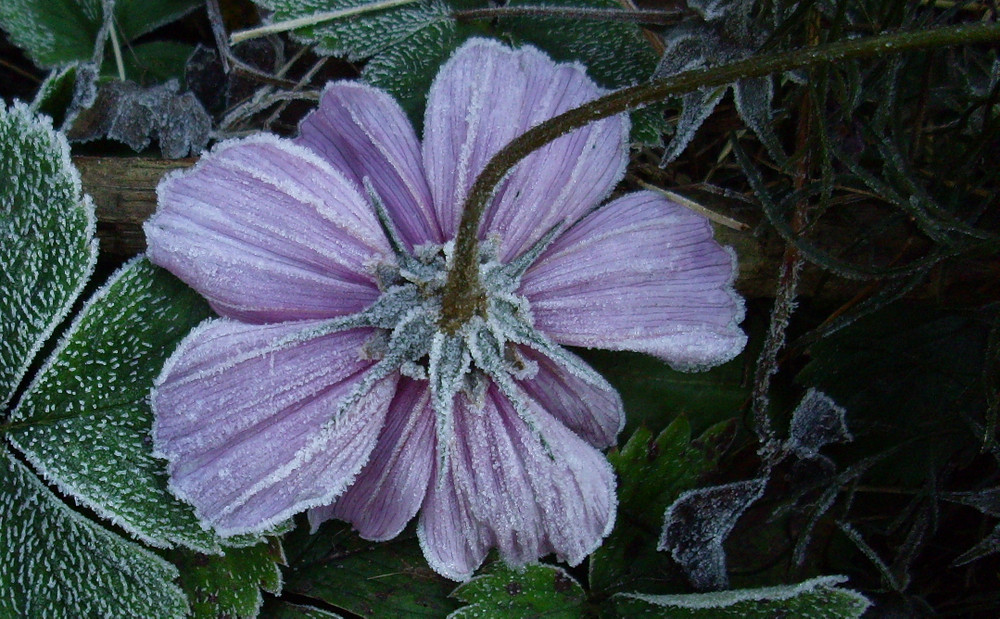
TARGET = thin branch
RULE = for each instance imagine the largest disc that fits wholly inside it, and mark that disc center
(219, 32)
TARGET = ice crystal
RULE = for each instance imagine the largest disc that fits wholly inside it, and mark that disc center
(47, 244)
(330, 382)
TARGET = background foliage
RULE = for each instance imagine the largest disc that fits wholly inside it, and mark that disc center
(856, 435)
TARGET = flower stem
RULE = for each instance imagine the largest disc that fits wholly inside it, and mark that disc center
(463, 287)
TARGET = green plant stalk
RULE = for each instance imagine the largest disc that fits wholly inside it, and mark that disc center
(464, 294)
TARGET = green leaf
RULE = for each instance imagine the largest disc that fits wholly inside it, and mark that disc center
(85, 421)
(59, 32)
(533, 591)
(47, 245)
(230, 585)
(56, 32)
(817, 598)
(370, 579)
(654, 393)
(56, 93)
(152, 63)
(134, 18)
(56, 563)
(407, 45)
(652, 473)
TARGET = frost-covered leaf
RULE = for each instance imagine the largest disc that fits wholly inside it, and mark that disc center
(652, 472)
(817, 598)
(817, 421)
(126, 112)
(56, 32)
(987, 501)
(723, 36)
(229, 585)
(753, 99)
(533, 591)
(85, 420)
(696, 107)
(407, 44)
(987, 546)
(55, 563)
(47, 245)
(59, 32)
(697, 524)
(56, 93)
(370, 579)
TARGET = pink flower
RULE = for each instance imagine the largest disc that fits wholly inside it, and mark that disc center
(327, 384)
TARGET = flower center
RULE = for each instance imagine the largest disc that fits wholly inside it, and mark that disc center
(413, 336)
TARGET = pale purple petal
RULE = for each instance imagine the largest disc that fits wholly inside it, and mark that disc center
(453, 541)
(529, 492)
(643, 274)
(267, 231)
(247, 417)
(363, 132)
(593, 412)
(389, 490)
(485, 96)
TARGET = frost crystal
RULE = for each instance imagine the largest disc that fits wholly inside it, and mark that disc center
(329, 383)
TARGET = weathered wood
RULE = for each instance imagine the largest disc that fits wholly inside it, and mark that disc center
(124, 193)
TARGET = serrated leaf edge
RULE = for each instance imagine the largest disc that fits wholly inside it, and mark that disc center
(722, 599)
(168, 570)
(68, 488)
(85, 203)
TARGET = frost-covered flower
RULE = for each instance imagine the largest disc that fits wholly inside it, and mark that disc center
(328, 383)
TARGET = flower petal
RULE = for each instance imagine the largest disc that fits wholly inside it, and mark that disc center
(389, 490)
(594, 412)
(247, 417)
(643, 274)
(485, 96)
(454, 543)
(267, 231)
(528, 492)
(362, 132)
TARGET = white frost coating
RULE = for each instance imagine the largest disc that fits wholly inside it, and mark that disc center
(257, 414)
(110, 499)
(816, 422)
(66, 564)
(20, 131)
(698, 522)
(722, 599)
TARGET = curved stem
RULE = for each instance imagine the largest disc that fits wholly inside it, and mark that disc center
(463, 290)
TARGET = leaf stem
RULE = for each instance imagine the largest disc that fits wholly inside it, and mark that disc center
(314, 19)
(117, 49)
(638, 16)
(463, 288)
